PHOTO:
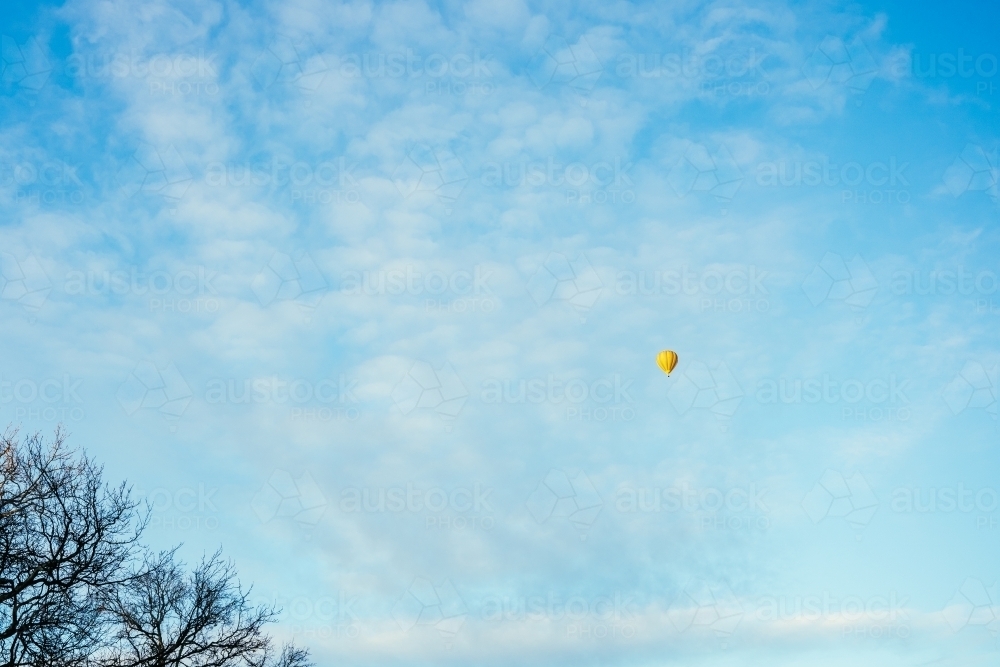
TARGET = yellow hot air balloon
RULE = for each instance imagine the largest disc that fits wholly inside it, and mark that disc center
(667, 361)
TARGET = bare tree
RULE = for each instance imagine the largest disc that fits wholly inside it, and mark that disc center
(167, 617)
(65, 537)
(76, 591)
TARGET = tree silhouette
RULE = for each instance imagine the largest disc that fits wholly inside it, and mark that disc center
(78, 590)
(64, 538)
(167, 616)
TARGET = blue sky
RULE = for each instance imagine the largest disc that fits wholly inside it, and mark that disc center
(370, 295)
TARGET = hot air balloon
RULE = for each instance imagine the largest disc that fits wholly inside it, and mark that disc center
(667, 361)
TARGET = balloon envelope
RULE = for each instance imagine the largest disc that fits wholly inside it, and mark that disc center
(667, 361)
